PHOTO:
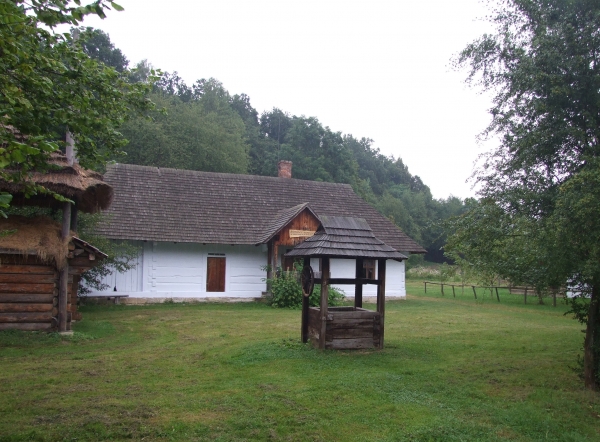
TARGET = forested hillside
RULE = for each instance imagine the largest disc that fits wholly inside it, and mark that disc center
(203, 127)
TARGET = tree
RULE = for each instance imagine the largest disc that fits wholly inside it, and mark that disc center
(542, 64)
(203, 133)
(48, 83)
(97, 45)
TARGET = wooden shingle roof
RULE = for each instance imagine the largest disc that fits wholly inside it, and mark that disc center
(345, 237)
(158, 204)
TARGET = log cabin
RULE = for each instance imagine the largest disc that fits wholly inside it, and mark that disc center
(41, 261)
(217, 236)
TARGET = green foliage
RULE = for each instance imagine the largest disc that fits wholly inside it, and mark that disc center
(97, 45)
(286, 292)
(121, 254)
(48, 83)
(537, 221)
(199, 134)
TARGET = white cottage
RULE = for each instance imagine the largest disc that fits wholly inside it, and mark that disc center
(214, 235)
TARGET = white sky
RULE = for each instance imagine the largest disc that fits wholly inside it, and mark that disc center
(379, 68)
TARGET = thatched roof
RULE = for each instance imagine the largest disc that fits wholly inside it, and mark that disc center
(345, 237)
(39, 236)
(85, 187)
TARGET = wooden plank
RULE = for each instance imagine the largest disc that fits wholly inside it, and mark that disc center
(27, 297)
(24, 307)
(348, 281)
(346, 323)
(324, 300)
(27, 268)
(353, 315)
(381, 269)
(27, 288)
(351, 333)
(26, 326)
(26, 317)
(26, 278)
(358, 287)
(351, 344)
(304, 319)
(62, 297)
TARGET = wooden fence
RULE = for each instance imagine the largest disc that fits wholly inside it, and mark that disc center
(512, 289)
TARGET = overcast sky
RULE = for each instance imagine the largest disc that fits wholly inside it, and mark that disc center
(379, 69)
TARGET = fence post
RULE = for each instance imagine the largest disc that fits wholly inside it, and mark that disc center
(425, 282)
(453, 292)
(474, 292)
(497, 297)
(525, 295)
(442, 288)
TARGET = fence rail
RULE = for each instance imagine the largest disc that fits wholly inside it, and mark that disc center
(491, 288)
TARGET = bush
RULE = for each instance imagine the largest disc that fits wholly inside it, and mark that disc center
(286, 292)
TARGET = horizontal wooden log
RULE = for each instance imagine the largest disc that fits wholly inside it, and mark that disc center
(41, 298)
(350, 344)
(346, 323)
(24, 307)
(29, 269)
(350, 333)
(27, 288)
(27, 326)
(348, 281)
(27, 278)
(336, 316)
(26, 317)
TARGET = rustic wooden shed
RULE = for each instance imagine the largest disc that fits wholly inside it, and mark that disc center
(32, 256)
(344, 327)
(40, 260)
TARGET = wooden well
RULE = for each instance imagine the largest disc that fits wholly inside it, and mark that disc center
(346, 328)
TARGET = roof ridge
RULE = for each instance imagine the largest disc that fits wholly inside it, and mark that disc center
(220, 174)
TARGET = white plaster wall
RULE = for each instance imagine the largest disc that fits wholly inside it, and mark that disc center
(346, 268)
(178, 270)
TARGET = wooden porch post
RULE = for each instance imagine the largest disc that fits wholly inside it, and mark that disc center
(304, 327)
(64, 273)
(324, 300)
(358, 287)
(381, 264)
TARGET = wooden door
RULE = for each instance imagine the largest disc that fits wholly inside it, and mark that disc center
(215, 274)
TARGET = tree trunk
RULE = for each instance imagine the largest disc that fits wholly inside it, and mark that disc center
(592, 340)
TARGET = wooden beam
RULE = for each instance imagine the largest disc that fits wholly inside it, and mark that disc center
(348, 281)
(358, 285)
(305, 305)
(64, 273)
(324, 300)
(381, 268)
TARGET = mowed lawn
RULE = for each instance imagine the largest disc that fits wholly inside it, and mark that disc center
(453, 369)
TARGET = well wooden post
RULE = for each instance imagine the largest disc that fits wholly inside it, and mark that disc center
(381, 265)
(324, 300)
(304, 326)
(358, 287)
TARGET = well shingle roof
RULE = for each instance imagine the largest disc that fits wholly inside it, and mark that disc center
(159, 204)
(345, 237)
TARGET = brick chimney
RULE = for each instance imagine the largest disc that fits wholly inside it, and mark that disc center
(284, 169)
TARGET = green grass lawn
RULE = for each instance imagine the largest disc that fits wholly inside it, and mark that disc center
(453, 369)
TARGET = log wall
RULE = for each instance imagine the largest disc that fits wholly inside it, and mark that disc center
(347, 328)
(29, 294)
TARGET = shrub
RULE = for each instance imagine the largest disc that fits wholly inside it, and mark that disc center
(286, 292)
